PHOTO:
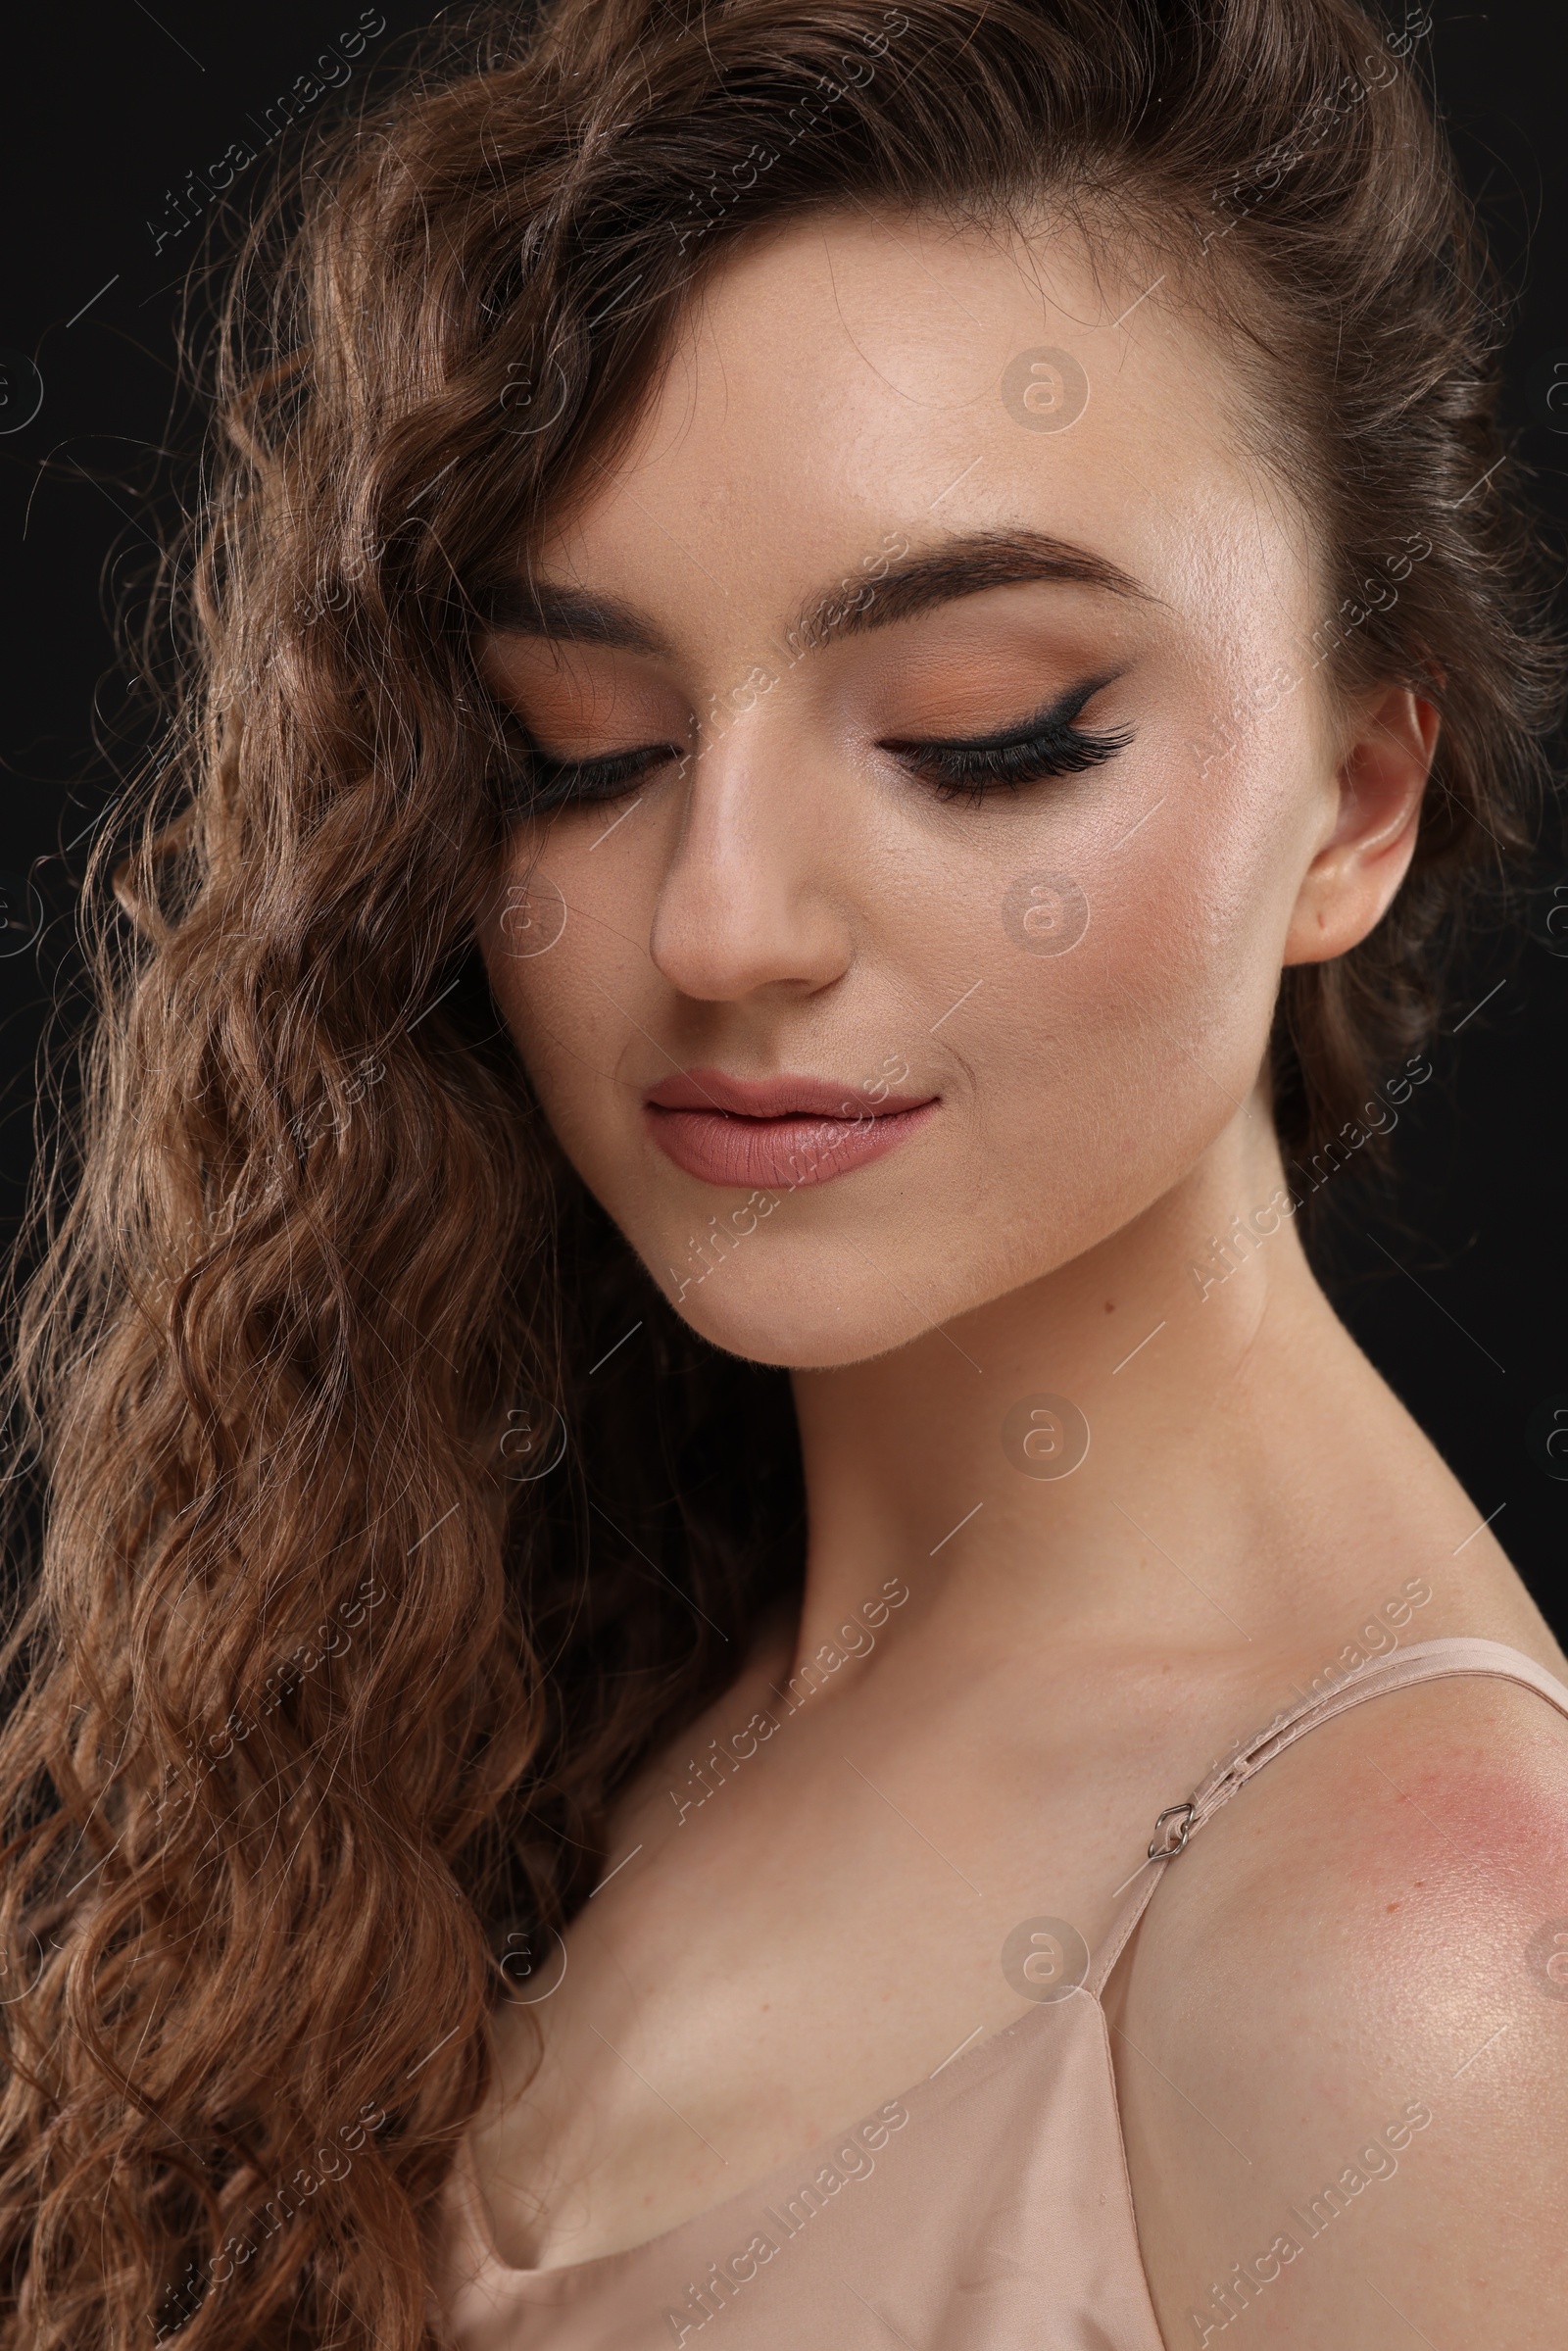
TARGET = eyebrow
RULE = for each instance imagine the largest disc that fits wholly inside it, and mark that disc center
(930, 577)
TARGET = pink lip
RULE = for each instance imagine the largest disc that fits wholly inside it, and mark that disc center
(783, 1132)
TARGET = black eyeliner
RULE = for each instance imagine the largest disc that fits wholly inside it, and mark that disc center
(541, 784)
(1045, 747)
(1054, 719)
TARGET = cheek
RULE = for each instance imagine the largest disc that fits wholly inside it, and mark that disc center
(1127, 993)
(1085, 1104)
(563, 948)
(1087, 982)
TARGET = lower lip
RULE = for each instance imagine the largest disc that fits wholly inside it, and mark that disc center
(777, 1153)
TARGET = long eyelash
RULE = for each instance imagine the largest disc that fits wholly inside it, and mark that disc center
(540, 783)
(955, 771)
(970, 773)
(1045, 746)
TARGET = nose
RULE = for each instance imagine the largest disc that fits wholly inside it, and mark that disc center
(755, 897)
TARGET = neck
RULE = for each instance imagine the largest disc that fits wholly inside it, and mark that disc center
(1198, 1353)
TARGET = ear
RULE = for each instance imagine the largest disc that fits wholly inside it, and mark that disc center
(1351, 883)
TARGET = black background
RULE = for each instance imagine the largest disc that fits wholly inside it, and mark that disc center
(1459, 1290)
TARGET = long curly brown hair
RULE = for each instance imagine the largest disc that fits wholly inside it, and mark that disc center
(353, 1581)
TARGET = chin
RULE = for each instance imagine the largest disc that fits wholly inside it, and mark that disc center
(797, 1317)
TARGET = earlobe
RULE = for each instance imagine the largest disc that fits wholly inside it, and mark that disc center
(1354, 877)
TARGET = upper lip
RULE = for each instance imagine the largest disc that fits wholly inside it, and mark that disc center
(785, 1097)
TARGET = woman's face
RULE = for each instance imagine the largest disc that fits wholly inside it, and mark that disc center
(927, 813)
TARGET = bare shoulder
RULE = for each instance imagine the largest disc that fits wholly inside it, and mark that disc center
(1341, 2038)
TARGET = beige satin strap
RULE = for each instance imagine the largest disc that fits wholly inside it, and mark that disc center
(1423, 1662)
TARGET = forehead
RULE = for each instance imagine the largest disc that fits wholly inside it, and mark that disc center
(846, 375)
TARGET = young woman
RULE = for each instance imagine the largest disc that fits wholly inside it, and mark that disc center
(848, 664)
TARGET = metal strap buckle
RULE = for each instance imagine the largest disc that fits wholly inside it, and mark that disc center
(1168, 1841)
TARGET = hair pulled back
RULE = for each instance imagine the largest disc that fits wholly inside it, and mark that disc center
(317, 1699)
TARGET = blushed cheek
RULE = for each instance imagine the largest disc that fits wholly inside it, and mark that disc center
(1104, 1069)
(1085, 1112)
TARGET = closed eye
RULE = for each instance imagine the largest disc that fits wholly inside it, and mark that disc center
(541, 782)
(970, 768)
